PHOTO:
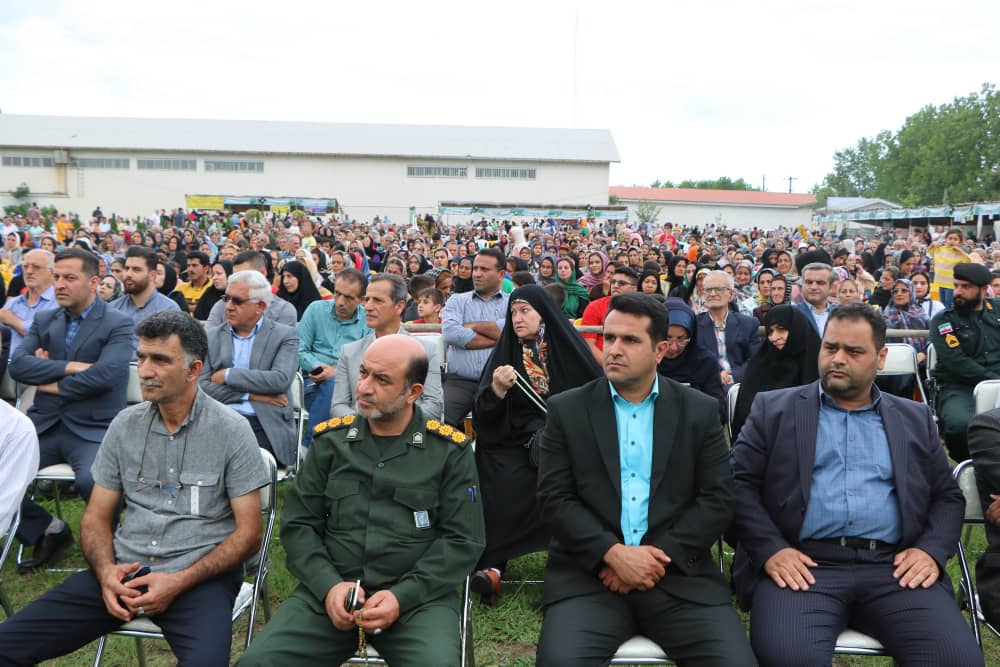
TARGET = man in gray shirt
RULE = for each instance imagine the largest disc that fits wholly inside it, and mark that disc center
(192, 516)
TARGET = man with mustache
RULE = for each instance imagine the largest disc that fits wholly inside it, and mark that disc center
(966, 337)
(846, 513)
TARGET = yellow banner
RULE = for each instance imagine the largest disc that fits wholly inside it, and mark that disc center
(801, 229)
(208, 202)
(280, 210)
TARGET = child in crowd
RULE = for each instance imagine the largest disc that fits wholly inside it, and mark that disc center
(429, 304)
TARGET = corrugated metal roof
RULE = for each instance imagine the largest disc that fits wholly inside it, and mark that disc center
(696, 196)
(257, 136)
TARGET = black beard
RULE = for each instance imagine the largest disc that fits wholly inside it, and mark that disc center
(967, 306)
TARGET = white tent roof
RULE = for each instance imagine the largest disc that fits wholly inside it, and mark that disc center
(300, 138)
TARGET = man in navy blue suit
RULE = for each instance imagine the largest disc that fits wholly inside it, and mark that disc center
(846, 513)
(78, 357)
(733, 336)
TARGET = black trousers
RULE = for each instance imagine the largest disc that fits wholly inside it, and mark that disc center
(855, 588)
(459, 395)
(262, 440)
(58, 445)
(588, 629)
(198, 625)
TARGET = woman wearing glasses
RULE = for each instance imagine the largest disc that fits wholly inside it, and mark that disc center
(540, 353)
(687, 361)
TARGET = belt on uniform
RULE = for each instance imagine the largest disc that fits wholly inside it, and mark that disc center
(862, 543)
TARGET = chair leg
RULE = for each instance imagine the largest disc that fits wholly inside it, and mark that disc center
(100, 650)
(140, 652)
(265, 599)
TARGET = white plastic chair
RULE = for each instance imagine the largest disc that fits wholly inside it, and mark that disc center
(301, 415)
(731, 397)
(985, 395)
(902, 360)
(965, 476)
(249, 593)
(8, 388)
(133, 394)
(640, 650)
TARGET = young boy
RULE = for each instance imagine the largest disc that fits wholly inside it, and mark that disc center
(429, 304)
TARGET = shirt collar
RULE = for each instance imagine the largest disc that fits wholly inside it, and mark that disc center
(652, 396)
(358, 314)
(250, 335)
(826, 401)
(812, 308)
(86, 311)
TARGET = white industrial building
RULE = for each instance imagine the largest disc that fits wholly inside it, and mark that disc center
(737, 209)
(133, 166)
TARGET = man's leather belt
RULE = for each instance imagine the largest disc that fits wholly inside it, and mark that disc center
(862, 543)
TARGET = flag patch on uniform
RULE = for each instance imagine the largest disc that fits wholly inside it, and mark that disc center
(945, 328)
(421, 520)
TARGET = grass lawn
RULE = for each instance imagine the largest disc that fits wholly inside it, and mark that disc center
(504, 635)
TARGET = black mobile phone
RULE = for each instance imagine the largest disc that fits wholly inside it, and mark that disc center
(316, 371)
(141, 572)
(351, 602)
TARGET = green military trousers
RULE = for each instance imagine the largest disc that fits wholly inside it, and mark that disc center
(955, 409)
(298, 635)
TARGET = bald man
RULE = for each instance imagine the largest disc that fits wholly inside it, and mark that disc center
(389, 499)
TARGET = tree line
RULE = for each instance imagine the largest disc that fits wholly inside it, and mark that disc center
(945, 154)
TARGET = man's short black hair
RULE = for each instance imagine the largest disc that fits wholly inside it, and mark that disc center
(495, 253)
(202, 257)
(89, 259)
(353, 276)
(628, 271)
(644, 305)
(416, 372)
(521, 278)
(146, 254)
(252, 258)
(165, 323)
(861, 311)
(419, 283)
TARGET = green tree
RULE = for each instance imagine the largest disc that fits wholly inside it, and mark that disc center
(722, 183)
(647, 211)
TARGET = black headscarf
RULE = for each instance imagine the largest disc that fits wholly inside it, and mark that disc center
(770, 259)
(675, 281)
(655, 274)
(697, 365)
(169, 283)
(460, 285)
(307, 291)
(212, 295)
(770, 368)
(568, 361)
(424, 264)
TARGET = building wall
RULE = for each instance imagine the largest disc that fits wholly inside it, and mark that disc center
(365, 186)
(730, 215)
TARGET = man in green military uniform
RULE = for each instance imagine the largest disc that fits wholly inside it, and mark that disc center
(966, 338)
(390, 499)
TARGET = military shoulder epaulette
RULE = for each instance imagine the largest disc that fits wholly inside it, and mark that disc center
(335, 423)
(446, 432)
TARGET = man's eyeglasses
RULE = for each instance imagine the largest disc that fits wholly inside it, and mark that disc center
(235, 299)
(621, 283)
(171, 489)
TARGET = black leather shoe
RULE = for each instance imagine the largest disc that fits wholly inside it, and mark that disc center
(47, 550)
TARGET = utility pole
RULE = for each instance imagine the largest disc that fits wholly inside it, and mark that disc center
(790, 179)
(763, 183)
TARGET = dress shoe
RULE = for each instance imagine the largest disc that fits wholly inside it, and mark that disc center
(47, 550)
(487, 584)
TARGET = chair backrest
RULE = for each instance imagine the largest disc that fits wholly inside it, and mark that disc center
(965, 475)
(8, 388)
(437, 341)
(268, 496)
(931, 358)
(298, 389)
(901, 360)
(133, 395)
(985, 395)
(731, 397)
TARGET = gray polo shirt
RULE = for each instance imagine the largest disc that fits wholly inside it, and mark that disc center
(213, 455)
(154, 304)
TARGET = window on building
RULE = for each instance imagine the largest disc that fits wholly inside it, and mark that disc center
(103, 163)
(170, 164)
(505, 172)
(26, 161)
(235, 165)
(436, 172)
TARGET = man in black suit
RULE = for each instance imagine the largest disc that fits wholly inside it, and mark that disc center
(740, 334)
(78, 356)
(635, 495)
(846, 513)
(984, 444)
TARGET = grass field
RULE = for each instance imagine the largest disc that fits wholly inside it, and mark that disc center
(504, 635)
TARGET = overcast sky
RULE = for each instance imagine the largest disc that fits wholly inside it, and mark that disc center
(689, 90)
